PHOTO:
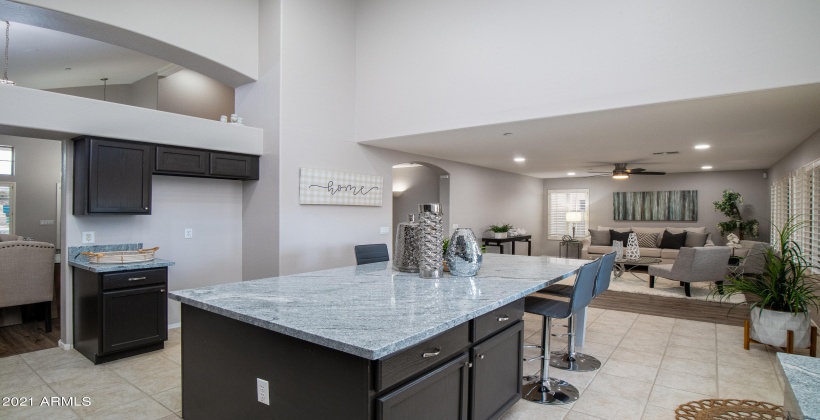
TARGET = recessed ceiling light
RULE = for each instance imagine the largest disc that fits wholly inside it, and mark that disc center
(519, 159)
(702, 146)
(570, 173)
(706, 167)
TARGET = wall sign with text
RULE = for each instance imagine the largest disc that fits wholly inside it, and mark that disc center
(318, 186)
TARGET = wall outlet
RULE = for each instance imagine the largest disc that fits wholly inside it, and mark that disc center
(46, 222)
(189, 233)
(262, 391)
(88, 237)
(384, 230)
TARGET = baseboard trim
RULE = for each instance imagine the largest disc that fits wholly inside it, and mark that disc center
(174, 326)
(64, 346)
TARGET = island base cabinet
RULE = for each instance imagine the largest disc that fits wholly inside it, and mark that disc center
(440, 394)
(496, 373)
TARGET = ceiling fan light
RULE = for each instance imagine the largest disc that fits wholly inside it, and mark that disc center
(620, 175)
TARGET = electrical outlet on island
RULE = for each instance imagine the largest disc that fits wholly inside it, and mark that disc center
(88, 238)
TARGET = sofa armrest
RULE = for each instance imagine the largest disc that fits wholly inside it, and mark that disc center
(585, 242)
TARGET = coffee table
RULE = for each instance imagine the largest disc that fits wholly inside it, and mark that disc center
(620, 265)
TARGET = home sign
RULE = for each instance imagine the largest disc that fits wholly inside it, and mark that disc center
(318, 186)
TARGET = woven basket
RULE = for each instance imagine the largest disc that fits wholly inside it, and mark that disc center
(121, 257)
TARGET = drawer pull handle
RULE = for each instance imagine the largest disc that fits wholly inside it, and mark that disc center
(136, 278)
(481, 356)
(503, 318)
(161, 290)
(432, 353)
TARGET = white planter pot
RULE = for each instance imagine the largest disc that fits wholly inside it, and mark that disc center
(499, 235)
(769, 327)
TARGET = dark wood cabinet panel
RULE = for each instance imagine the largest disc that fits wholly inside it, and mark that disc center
(230, 165)
(111, 176)
(497, 320)
(112, 321)
(440, 394)
(181, 161)
(496, 374)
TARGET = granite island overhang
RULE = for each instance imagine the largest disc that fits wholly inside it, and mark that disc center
(359, 334)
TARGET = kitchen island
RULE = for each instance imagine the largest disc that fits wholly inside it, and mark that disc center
(361, 342)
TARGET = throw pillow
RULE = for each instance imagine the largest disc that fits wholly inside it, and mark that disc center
(647, 240)
(614, 235)
(694, 239)
(599, 237)
(673, 240)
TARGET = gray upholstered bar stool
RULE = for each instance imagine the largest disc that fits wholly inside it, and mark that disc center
(548, 390)
(570, 359)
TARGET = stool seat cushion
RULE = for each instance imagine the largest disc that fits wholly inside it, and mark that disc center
(552, 308)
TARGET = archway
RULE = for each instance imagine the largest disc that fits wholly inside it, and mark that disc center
(417, 183)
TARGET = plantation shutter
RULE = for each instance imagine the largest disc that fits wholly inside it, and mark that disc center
(559, 203)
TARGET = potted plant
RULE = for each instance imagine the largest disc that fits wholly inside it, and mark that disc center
(785, 292)
(730, 207)
(500, 231)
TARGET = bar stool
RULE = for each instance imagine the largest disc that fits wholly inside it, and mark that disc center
(570, 359)
(548, 390)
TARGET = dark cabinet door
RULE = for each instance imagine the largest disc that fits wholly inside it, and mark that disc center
(133, 317)
(227, 165)
(440, 394)
(119, 177)
(180, 161)
(496, 374)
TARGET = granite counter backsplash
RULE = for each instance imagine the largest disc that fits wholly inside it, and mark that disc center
(76, 259)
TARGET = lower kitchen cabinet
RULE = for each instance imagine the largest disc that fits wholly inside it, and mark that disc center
(120, 314)
(497, 373)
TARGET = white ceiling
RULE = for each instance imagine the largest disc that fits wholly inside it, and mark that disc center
(38, 59)
(746, 131)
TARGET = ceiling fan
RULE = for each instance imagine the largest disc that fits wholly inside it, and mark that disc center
(620, 172)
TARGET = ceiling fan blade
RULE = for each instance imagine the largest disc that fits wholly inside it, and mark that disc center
(636, 170)
(599, 172)
(647, 173)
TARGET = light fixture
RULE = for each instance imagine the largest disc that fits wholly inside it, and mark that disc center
(619, 174)
(702, 146)
(519, 159)
(574, 217)
(5, 80)
(706, 167)
(570, 173)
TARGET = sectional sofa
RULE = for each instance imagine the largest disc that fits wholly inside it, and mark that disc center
(657, 242)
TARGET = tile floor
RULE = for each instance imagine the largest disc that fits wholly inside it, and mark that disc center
(650, 366)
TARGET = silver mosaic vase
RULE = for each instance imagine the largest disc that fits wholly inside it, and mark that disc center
(430, 241)
(405, 251)
(463, 254)
(618, 247)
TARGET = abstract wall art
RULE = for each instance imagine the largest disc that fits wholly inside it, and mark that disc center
(656, 205)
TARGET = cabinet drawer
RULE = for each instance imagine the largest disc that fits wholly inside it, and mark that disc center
(416, 359)
(234, 166)
(136, 278)
(498, 319)
(173, 160)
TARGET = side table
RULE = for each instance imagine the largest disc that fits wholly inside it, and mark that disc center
(564, 248)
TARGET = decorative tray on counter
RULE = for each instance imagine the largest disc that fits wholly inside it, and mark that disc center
(121, 257)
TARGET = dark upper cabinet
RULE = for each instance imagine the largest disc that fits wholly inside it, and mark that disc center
(111, 176)
(206, 164)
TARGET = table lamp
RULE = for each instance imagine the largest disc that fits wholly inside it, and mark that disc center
(574, 217)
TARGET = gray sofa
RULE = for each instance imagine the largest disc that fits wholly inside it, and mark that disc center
(667, 256)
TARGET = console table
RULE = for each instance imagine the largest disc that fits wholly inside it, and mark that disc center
(499, 242)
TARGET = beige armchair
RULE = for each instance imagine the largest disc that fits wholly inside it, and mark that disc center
(27, 275)
(694, 264)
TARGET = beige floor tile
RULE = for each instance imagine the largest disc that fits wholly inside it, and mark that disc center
(603, 338)
(660, 328)
(172, 417)
(629, 370)
(609, 328)
(51, 357)
(745, 375)
(575, 415)
(652, 412)
(157, 380)
(174, 355)
(637, 356)
(579, 380)
(758, 361)
(18, 380)
(86, 382)
(597, 350)
(690, 353)
(619, 315)
(687, 331)
(671, 398)
(656, 336)
(64, 371)
(654, 319)
(698, 343)
(526, 410)
(687, 382)
(742, 391)
(621, 387)
(647, 345)
(171, 399)
(106, 398)
(729, 333)
(695, 324)
(37, 408)
(604, 405)
(706, 369)
(145, 408)
(11, 363)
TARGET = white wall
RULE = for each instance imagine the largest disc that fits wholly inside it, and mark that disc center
(37, 170)
(710, 186)
(419, 185)
(805, 153)
(427, 65)
(187, 92)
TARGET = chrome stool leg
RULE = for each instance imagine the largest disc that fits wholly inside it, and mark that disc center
(549, 390)
(572, 360)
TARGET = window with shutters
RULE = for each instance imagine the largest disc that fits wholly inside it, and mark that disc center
(6, 160)
(7, 207)
(798, 195)
(561, 202)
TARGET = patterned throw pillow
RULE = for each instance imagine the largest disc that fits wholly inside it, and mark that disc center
(647, 240)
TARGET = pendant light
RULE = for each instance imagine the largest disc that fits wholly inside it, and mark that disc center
(5, 80)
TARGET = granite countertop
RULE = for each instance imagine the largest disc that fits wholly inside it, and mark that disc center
(76, 259)
(371, 310)
(803, 378)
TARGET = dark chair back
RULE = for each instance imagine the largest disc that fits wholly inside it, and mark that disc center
(604, 274)
(371, 253)
(584, 285)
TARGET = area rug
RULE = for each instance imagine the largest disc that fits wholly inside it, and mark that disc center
(728, 409)
(639, 283)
